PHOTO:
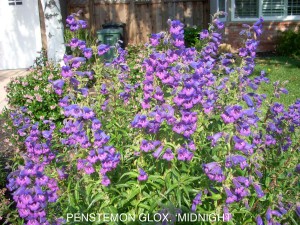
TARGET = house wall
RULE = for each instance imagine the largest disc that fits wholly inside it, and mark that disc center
(268, 40)
(20, 36)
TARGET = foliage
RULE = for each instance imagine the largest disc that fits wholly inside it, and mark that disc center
(164, 130)
(283, 69)
(288, 43)
(34, 91)
(192, 39)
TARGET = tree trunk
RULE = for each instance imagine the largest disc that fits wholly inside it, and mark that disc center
(54, 30)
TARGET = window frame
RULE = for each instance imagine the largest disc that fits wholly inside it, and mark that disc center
(225, 10)
(266, 18)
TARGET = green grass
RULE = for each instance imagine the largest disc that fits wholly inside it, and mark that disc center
(280, 68)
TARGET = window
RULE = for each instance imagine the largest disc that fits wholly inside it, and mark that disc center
(246, 9)
(222, 5)
(293, 7)
(14, 2)
(269, 9)
(273, 8)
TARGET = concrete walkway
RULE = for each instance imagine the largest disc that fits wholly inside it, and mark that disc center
(5, 77)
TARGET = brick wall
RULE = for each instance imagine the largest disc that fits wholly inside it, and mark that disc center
(268, 40)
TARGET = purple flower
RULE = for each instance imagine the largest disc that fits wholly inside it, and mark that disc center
(70, 19)
(230, 196)
(277, 108)
(204, 34)
(214, 139)
(87, 113)
(235, 160)
(102, 49)
(214, 171)
(82, 23)
(196, 201)
(81, 45)
(142, 175)
(227, 214)
(77, 61)
(168, 155)
(66, 71)
(58, 85)
(220, 25)
(259, 220)
(74, 43)
(248, 100)
(155, 39)
(269, 140)
(156, 154)
(146, 146)
(184, 155)
(105, 181)
(258, 190)
(244, 129)
(88, 53)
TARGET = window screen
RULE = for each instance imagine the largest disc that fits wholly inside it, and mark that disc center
(273, 7)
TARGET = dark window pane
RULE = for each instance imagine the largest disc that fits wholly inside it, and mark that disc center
(246, 9)
(293, 7)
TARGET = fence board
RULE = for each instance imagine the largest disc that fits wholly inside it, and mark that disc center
(143, 17)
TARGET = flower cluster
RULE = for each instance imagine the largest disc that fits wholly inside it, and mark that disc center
(32, 188)
(186, 76)
(75, 24)
(80, 119)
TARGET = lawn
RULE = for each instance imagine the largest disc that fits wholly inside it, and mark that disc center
(280, 68)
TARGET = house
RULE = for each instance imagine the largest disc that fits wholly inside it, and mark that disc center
(26, 28)
(278, 15)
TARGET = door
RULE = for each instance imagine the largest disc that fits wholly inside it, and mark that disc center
(20, 35)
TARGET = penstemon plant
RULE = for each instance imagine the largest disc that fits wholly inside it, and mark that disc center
(169, 131)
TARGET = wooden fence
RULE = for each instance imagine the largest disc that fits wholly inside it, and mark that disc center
(142, 17)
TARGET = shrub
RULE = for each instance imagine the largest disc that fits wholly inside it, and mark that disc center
(288, 43)
(190, 136)
(34, 91)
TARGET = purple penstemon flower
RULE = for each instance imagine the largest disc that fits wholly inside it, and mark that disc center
(66, 71)
(58, 86)
(142, 175)
(168, 155)
(105, 181)
(230, 196)
(74, 43)
(204, 34)
(214, 171)
(157, 152)
(214, 138)
(196, 201)
(87, 52)
(146, 146)
(102, 49)
(258, 190)
(259, 220)
(81, 44)
(78, 61)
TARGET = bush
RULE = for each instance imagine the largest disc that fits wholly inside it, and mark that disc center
(161, 132)
(288, 43)
(34, 91)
